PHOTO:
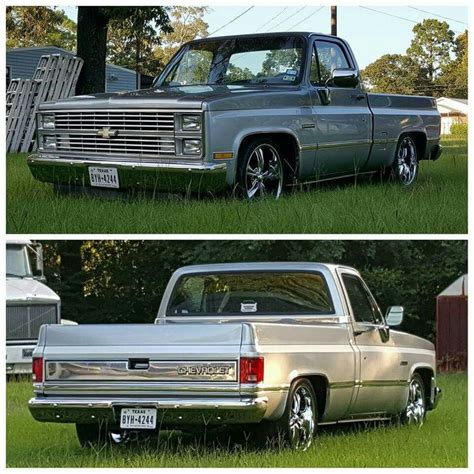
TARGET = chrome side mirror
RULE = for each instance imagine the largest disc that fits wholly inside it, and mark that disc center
(344, 78)
(394, 315)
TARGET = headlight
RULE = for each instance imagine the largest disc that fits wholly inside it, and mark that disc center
(49, 142)
(191, 122)
(192, 147)
(47, 121)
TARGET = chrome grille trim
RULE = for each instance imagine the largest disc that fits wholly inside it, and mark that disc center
(24, 321)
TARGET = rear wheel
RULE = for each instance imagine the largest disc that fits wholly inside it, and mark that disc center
(404, 169)
(260, 169)
(297, 426)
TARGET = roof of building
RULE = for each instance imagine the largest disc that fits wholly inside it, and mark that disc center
(457, 288)
(452, 105)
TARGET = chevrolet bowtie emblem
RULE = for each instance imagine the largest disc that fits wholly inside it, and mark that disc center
(107, 132)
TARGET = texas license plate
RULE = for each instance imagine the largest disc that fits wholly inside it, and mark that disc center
(138, 418)
(103, 177)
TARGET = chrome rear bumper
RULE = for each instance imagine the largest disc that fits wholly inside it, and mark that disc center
(160, 176)
(170, 411)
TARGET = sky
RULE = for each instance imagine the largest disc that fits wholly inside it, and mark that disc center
(370, 33)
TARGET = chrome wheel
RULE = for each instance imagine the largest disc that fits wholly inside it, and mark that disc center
(407, 161)
(302, 419)
(416, 409)
(263, 173)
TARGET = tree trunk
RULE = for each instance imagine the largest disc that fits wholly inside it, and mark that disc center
(92, 48)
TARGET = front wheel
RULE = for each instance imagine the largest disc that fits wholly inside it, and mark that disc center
(260, 171)
(415, 410)
(404, 169)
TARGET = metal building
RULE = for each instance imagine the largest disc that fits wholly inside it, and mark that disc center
(451, 326)
(21, 64)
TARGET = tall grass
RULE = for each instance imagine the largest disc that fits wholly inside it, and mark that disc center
(440, 442)
(436, 204)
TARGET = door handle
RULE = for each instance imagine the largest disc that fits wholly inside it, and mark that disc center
(358, 96)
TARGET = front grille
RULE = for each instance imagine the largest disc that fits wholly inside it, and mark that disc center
(24, 322)
(136, 133)
(125, 120)
(147, 145)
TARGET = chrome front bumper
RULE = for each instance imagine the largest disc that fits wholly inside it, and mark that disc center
(170, 411)
(162, 176)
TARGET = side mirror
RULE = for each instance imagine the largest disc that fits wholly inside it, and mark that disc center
(37, 253)
(344, 78)
(394, 315)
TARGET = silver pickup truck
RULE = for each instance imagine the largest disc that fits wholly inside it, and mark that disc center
(276, 347)
(253, 113)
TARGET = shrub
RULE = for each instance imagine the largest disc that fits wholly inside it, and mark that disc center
(459, 130)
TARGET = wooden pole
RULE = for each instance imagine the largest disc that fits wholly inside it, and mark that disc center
(334, 21)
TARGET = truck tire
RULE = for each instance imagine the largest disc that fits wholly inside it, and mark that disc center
(405, 166)
(297, 427)
(260, 169)
(415, 411)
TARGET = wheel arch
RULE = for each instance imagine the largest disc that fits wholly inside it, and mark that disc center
(286, 139)
(320, 384)
(427, 374)
(421, 140)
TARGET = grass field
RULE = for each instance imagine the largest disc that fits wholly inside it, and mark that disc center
(440, 442)
(436, 204)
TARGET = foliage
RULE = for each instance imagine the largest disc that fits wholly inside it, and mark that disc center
(454, 76)
(187, 24)
(459, 130)
(394, 74)
(442, 441)
(39, 26)
(123, 281)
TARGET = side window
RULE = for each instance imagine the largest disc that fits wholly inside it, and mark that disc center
(313, 71)
(363, 306)
(330, 56)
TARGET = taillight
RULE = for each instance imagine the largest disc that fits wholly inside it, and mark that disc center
(251, 369)
(37, 369)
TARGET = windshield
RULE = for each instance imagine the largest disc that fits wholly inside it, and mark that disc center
(254, 60)
(288, 293)
(17, 262)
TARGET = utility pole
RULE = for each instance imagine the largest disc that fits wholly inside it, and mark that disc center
(334, 21)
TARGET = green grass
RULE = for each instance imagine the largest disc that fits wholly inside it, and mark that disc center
(436, 204)
(440, 442)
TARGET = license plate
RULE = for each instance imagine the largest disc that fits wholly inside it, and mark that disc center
(138, 418)
(104, 177)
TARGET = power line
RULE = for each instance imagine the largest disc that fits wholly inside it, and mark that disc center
(269, 21)
(439, 16)
(231, 21)
(287, 18)
(395, 16)
(307, 18)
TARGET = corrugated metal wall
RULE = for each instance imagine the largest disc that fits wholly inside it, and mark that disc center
(23, 62)
(451, 333)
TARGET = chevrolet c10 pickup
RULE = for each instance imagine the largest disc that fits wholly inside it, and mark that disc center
(278, 348)
(252, 114)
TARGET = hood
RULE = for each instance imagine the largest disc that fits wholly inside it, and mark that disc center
(184, 97)
(28, 289)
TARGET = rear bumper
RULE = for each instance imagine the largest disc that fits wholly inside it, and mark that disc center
(171, 177)
(436, 152)
(170, 411)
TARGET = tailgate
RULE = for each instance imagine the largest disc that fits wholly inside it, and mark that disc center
(142, 359)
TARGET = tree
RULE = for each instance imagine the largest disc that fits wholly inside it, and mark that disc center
(431, 46)
(39, 26)
(92, 28)
(187, 24)
(394, 74)
(454, 76)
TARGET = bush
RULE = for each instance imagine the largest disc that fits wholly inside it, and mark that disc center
(459, 130)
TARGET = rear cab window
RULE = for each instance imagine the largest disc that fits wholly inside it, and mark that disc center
(258, 293)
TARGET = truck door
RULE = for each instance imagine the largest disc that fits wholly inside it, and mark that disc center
(343, 126)
(380, 384)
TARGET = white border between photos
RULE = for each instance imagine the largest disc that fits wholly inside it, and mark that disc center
(234, 236)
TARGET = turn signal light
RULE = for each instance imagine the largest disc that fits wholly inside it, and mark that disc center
(37, 369)
(251, 369)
